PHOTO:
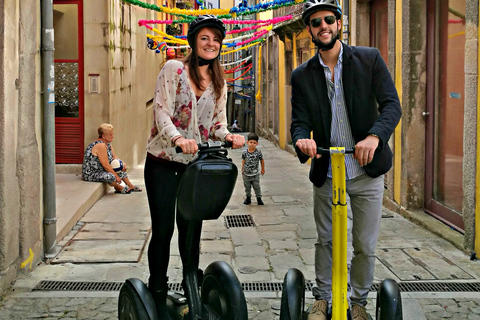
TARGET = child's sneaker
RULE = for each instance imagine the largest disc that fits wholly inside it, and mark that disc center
(259, 201)
(247, 201)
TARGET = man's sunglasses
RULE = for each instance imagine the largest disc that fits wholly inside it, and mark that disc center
(317, 22)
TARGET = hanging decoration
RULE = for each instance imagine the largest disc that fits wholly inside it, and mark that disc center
(225, 21)
(242, 9)
(234, 68)
(163, 41)
(171, 39)
(226, 41)
(257, 35)
(237, 85)
(238, 78)
(259, 95)
(242, 96)
(235, 62)
(243, 48)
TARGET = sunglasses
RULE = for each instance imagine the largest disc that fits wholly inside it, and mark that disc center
(317, 22)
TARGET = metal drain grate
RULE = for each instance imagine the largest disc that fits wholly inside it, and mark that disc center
(239, 221)
(435, 286)
(262, 286)
(48, 285)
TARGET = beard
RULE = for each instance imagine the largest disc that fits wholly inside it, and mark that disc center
(325, 46)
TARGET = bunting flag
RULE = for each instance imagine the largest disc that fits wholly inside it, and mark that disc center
(253, 33)
(242, 9)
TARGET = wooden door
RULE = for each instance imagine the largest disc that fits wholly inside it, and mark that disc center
(69, 94)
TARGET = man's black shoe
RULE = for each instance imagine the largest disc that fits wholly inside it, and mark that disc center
(247, 201)
(259, 201)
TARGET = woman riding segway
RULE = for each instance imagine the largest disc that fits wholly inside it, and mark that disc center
(189, 108)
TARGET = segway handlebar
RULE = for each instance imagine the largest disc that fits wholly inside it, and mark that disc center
(209, 145)
(324, 151)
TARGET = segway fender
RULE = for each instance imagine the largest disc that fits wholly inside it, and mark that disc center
(389, 301)
(228, 284)
(145, 295)
(293, 295)
(295, 279)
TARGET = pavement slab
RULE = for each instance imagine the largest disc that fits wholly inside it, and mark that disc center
(257, 263)
(101, 251)
(245, 236)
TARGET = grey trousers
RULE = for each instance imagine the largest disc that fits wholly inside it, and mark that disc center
(366, 196)
(248, 182)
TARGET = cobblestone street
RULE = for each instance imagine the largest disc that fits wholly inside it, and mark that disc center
(107, 245)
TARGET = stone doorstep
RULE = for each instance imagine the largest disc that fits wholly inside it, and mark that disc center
(77, 204)
(429, 223)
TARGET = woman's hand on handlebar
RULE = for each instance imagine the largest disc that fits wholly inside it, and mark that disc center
(188, 146)
(308, 147)
(237, 140)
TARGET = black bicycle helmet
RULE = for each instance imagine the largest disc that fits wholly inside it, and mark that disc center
(312, 6)
(207, 20)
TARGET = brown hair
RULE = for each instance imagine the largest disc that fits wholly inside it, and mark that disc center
(104, 127)
(215, 68)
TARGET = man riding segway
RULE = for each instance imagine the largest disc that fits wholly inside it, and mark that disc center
(346, 97)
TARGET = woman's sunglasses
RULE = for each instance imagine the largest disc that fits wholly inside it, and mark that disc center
(318, 21)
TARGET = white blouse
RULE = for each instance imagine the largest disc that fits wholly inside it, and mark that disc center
(176, 111)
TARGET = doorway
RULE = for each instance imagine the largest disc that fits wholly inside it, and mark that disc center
(379, 27)
(68, 59)
(444, 110)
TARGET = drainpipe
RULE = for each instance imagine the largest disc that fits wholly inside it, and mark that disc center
(48, 130)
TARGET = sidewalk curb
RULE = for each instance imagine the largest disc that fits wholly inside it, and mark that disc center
(429, 223)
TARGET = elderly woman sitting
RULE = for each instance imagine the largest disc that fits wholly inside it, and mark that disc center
(96, 163)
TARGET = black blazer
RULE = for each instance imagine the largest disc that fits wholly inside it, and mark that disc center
(366, 82)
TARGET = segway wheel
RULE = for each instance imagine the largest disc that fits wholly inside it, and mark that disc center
(223, 293)
(389, 301)
(131, 306)
(293, 296)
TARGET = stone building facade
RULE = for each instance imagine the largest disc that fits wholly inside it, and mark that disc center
(431, 49)
(112, 75)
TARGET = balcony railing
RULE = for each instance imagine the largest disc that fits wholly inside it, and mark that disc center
(295, 11)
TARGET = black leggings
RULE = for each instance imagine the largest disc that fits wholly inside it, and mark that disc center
(161, 182)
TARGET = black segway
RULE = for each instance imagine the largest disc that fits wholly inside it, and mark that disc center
(205, 189)
(389, 303)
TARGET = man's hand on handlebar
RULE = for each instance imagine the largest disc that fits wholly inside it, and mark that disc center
(365, 150)
(237, 140)
(308, 147)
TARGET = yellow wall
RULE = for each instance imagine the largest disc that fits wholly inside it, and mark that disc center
(398, 84)
(226, 4)
(282, 128)
(477, 202)
(265, 15)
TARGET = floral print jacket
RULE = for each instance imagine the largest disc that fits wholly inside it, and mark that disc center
(177, 111)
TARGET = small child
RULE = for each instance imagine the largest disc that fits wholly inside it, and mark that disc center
(250, 174)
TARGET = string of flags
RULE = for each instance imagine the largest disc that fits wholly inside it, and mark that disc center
(243, 35)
